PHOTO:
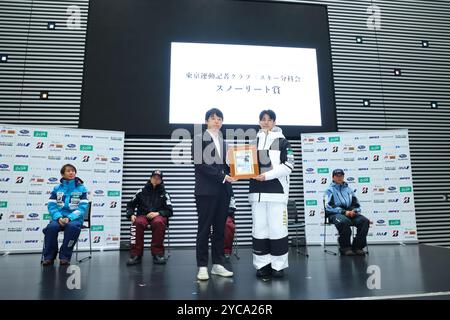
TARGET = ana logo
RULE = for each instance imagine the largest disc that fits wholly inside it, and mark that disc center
(403, 168)
(322, 149)
(335, 149)
(39, 145)
(363, 158)
(115, 171)
(381, 234)
(33, 229)
(23, 144)
(323, 180)
(99, 204)
(70, 158)
(393, 200)
(4, 179)
(310, 181)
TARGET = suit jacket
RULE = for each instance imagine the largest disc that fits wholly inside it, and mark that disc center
(210, 168)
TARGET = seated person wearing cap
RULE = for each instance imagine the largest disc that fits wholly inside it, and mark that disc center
(343, 210)
(153, 207)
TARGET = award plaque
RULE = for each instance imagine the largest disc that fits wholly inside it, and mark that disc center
(243, 161)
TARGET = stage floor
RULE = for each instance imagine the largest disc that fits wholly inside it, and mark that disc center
(406, 272)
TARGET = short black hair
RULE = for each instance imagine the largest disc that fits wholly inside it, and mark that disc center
(213, 111)
(64, 167)
(270, 113)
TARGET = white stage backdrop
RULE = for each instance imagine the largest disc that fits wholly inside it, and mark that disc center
(377, 167)
(30, 160)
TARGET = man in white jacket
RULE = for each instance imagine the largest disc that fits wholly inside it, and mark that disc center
(268, 196)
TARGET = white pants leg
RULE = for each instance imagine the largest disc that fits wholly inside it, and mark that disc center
(278, 234)
(270, 242)
(260, 233)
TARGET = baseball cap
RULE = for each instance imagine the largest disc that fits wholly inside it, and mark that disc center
(338, 171)
(157, 173)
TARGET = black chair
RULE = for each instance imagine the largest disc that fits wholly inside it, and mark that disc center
(294, 223)
(87, 220)
(328, 223)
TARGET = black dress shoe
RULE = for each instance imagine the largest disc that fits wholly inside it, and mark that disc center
(278, 273)
(47, 263)
(134, 260)
(264, 272)
(359, 252)
(64, 262)
(159, 259)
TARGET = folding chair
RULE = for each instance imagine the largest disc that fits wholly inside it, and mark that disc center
(294, 223)
(87, 220)
(328, 223)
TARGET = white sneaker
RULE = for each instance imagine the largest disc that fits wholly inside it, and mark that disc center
(219, 270)
(202, 273)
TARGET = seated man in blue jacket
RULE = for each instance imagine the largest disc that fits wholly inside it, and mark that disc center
(343, 210)
(67, 205)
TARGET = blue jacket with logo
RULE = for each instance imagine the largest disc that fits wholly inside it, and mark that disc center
(68, 199)
(340, 198)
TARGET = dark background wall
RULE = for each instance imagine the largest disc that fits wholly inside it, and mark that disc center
(41, 59)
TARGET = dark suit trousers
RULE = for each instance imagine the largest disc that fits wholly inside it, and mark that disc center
(212, 211)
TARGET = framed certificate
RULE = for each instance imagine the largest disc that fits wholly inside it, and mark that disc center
(243, 161)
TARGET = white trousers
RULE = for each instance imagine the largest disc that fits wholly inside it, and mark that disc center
(270, 235)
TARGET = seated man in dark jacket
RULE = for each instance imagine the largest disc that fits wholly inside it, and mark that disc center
(153, 207)
(343, 210)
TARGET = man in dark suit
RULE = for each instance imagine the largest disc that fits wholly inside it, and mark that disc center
(211, 196)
